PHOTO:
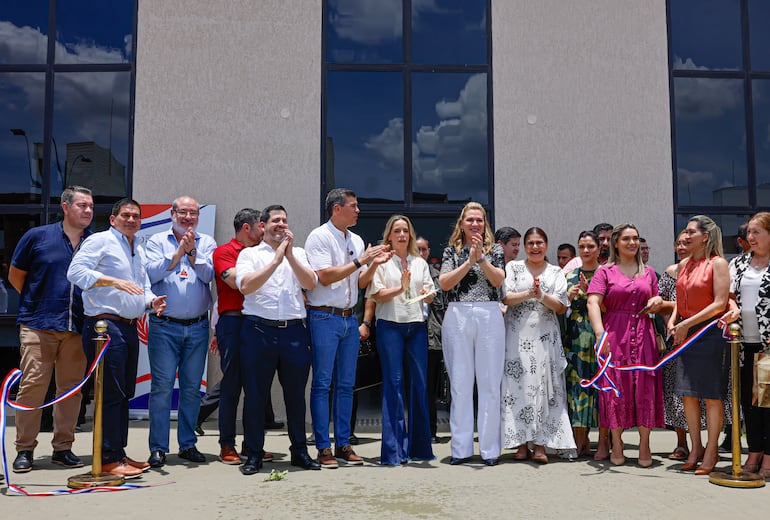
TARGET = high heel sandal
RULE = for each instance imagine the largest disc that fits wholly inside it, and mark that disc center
(522, 453)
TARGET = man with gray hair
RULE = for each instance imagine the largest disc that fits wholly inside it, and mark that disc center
(180, 265)
(50, 321)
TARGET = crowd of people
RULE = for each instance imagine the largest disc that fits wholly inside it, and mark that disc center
(517, 336)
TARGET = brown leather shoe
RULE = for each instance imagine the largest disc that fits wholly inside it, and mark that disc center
(267, 457)
(326, 459)
(347, 454)
(144, 466)
(122, 469)
(228, 455)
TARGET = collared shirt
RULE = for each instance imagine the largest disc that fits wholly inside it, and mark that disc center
(48, 301)
(388, 275)
(186, 286)
(280, 297)
(327, 246)
(109, 253)
(225, 257)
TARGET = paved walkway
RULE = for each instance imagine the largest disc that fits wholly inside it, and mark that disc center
(428, 490)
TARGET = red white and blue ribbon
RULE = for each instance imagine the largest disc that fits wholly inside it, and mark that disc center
(10, 380)
(604, 383)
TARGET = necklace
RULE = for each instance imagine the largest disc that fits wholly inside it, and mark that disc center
(759, 263)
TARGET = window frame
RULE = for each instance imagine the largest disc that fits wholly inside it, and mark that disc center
(407, 68)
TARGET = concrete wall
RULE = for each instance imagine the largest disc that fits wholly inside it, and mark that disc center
(228, 106)
(581, 118)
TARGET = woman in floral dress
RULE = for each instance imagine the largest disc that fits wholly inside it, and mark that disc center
(581, 358)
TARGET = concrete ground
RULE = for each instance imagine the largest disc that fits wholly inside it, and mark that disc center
(560, 489)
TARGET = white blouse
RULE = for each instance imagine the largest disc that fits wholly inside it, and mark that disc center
(388, 275)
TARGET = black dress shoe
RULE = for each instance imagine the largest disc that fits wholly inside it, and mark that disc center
(157, 459)
(456, 462)
(304, 461)
(353, 440)
(490, 462)
(192, 454)
(434, 439)
(251, 466)
(66, 458)
(199, 431)
(274, 425)
(23, 462)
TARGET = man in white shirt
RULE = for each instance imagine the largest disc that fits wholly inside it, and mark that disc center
(274, 335)
(337, 256)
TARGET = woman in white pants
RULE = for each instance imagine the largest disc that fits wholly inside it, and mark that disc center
(473, 334)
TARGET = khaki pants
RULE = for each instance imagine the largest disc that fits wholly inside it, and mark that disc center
(41, 351)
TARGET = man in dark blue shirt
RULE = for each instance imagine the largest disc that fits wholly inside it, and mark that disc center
(50, 321)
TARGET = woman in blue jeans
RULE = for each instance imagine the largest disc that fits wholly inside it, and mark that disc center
(402, 342)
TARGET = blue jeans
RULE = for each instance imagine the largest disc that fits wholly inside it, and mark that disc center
(335, 353)
(120, 363)
(265, 349)
(229, 344)
(175, 349)
(404, 345)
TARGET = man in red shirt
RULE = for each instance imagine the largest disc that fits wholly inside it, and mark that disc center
(248, 232)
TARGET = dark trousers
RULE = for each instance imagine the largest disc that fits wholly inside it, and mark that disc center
(757, 419)
(228, 340)
(434, 373)
(120, 362)
(265, 349)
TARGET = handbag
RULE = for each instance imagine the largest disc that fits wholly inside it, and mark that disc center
(368, 368)
(760, 395)
(661, 342)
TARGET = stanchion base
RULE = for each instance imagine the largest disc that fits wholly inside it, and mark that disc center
(88, 480)
(743, 480)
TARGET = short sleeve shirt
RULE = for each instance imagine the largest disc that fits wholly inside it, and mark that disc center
(475, 286)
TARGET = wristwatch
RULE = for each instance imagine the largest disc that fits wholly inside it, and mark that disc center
(192, 252)
(367, 323)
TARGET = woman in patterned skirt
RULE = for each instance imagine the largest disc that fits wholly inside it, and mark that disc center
(581, 358)
(534, 396)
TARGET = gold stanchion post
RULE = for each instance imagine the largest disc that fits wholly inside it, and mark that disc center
(738, 477)
(97, 478)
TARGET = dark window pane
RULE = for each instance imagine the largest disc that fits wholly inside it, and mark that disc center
(94, 31)
(12, 227)
(449, 32)
(761, 97)
(706, 34)
(21, 136)
(710, 142)
(23, 31)
(364, 31)
(759, 14)
(91, 121)
(365, 134)
(727, 223)
(450, 150)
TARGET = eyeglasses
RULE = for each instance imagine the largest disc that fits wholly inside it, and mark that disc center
(187, 212)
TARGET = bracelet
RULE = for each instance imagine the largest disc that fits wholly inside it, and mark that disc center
(357, 263)
(481, 260)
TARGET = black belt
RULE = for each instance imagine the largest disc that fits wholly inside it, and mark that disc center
(231, 313)
(179, 321)
(331, 310)
(113, 317)
(279, 324)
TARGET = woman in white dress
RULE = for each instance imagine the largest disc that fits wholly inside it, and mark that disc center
(533, 394)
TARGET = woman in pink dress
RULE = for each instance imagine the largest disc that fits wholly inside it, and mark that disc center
(625, 287)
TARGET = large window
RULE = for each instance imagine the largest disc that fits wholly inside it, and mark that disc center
(66, 83)
(406, 117)
(720, 109)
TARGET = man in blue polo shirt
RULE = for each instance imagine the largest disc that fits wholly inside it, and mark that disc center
(50, 321)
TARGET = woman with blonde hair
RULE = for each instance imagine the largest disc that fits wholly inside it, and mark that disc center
(750, 287)
(472, 333)
(402, 343)
(702, 292)
(628, 290)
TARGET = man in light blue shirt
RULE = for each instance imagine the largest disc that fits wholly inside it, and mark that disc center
(109, 268)
(180, 265)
